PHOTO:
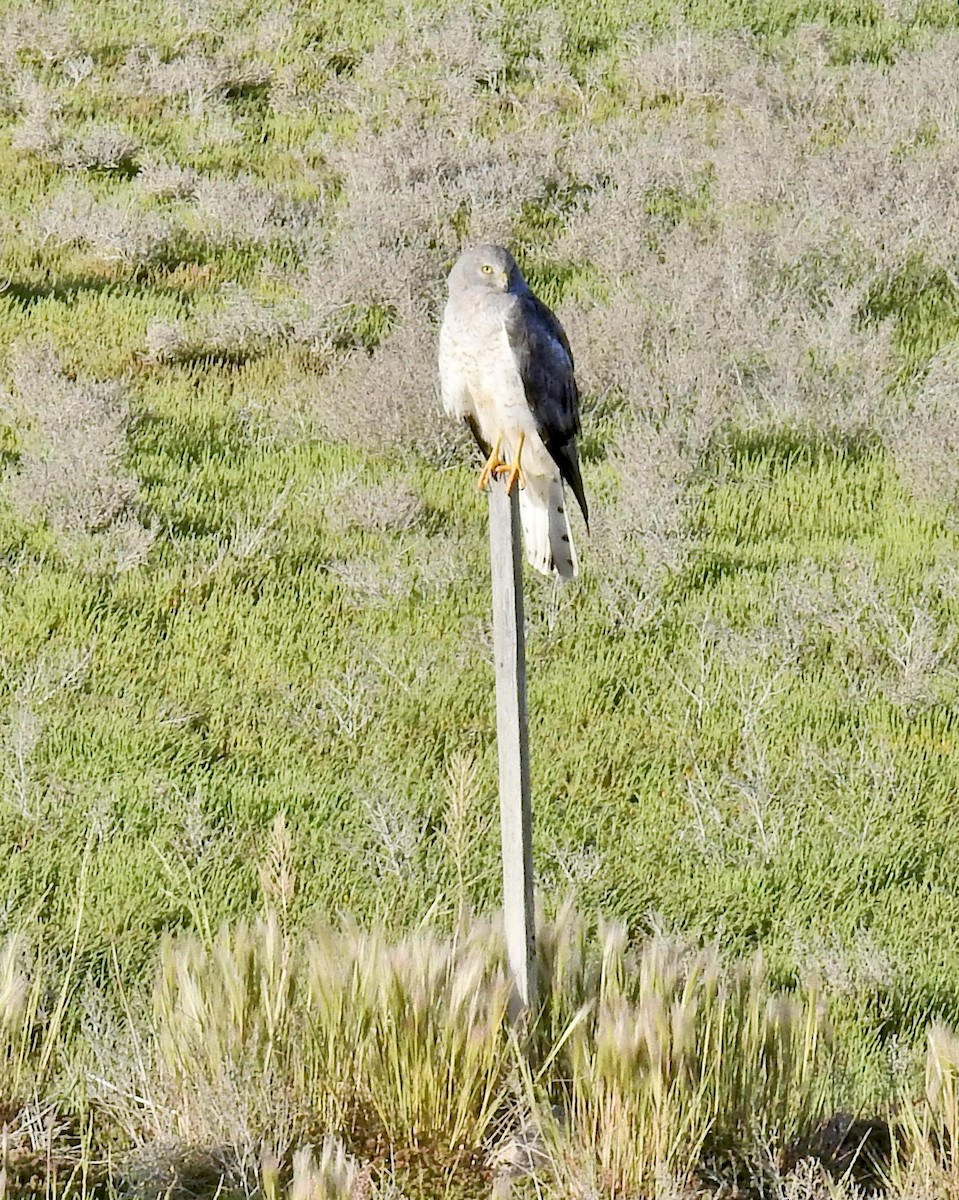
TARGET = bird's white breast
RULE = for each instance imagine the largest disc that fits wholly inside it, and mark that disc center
(476, 350)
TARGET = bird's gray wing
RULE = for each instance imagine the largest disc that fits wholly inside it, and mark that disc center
(545, 363)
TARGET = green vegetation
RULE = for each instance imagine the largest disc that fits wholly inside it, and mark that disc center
(243, 576)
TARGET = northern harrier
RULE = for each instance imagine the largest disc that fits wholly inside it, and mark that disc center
(507, 369)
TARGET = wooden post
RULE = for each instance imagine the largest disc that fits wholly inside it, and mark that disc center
(516, 824)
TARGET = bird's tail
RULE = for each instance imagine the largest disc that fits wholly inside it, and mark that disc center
(549, 543)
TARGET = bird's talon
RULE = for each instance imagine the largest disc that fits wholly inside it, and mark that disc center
(492, 466)
(513, 475)
(513, 470)
(486, 475)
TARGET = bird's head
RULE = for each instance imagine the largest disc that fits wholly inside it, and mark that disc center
(490, 267)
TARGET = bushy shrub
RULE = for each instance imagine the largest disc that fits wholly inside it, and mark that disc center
(119, 232)
(166, 180)
(244, 210)
(923, 433)
(242, 325)
(101, 147)
(70, 472)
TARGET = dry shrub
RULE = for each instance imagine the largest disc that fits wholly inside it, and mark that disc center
(39, 129)
(121, 232)
(194, 75)
(428, 63)
(241, 326)
(647, 532)
(179, 341)
(924, 434)
(725, 238)
(894, 646)
(817, 141)
(747, 802)
(390, 397)
(741, 798)
(201, 83)
(244, 210)
(857, 967)
(880, 151)
(371, 582)
(101, 146)
(765, 312)
(770, 335)
(689, 65)
(351, 282)
(47, 32)
(736, 298)
(731, 260)
(809, 1179)
(621, 170)
(21, 734)
(424, 183)
(70, 471)
(389, 507)
(252, 538)
(165, 180)
(443, 560)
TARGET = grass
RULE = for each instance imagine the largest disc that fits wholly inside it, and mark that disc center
(643, 1067)
(243, 578)
(259, 1037)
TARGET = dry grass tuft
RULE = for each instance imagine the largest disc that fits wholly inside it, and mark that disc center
(261, 1037)
(333, 1175)
(650, 1069)
(928, 1164)
(662, 1062)
(649, 1062)
(14, 1013)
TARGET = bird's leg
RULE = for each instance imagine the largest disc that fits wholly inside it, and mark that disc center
(493, 464)
(513, 471)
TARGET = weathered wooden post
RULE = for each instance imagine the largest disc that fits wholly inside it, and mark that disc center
(516, 823)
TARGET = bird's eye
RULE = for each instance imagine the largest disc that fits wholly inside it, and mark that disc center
(487, 269)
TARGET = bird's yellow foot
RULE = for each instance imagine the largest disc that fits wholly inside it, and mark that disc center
(493, 465)
(513, 470)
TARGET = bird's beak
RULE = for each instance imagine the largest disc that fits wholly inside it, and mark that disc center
(505, 280)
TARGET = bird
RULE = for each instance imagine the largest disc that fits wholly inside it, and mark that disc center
(506, 368)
